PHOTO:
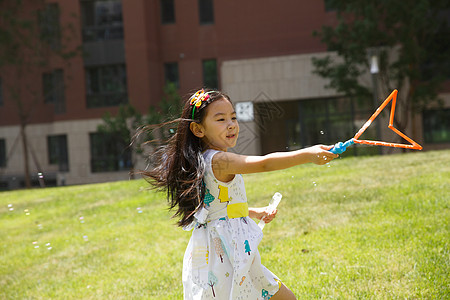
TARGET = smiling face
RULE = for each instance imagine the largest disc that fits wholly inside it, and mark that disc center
(219, 129)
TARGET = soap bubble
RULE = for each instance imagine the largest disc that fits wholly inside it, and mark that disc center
(321, 132)
(314, 183)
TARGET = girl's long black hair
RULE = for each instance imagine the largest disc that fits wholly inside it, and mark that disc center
(179, 166)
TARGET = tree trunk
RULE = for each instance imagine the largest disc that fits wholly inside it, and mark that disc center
(25, 156)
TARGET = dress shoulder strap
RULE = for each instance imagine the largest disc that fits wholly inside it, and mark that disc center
(208, 155)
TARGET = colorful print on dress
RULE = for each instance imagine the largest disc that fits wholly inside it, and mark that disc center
(200, 256)
(247, 247)
(242, 281)
(212, 280)
(219, 249)
(223, 194)
(265, 294)
(224, 247)
(208, 198)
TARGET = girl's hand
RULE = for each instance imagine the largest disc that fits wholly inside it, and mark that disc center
(321, 155)
(263, 213)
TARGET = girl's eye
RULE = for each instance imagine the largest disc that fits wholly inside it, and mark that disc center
(234, 118)
(221, 120)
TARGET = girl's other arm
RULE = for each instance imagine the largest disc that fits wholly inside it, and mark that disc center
(262, 213)
(226, 164)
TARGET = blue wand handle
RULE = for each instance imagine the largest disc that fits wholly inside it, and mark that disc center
(341, 147)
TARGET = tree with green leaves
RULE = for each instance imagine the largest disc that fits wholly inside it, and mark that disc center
(30, 34)
(124, 130)
(167, 109)
(119, 131)
(410, 39)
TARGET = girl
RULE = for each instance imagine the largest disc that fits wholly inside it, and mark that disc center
(204, 184)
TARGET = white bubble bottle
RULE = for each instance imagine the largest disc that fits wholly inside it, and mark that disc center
(272, 206)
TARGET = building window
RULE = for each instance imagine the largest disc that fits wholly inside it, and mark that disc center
(53, 89)
(57, 151)
(325, 121)
(436, 126)
(206, 11)
(167, 11)
(330, 5)
(106, 86)
(317, 121)
(2, 153)
(171, 74)
(50, 30)
(108, 153)
(102, 20)
(210, 74)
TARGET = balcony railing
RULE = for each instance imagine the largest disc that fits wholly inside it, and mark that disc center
(103, 33)
(106, 99)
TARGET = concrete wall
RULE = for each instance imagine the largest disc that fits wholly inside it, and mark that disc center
(268, 80)
(78, 147)
(280, 78)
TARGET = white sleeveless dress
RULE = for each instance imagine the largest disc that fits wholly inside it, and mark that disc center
(222, 259)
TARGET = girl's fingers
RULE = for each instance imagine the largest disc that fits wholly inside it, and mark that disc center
(270, 215)
(326, 147)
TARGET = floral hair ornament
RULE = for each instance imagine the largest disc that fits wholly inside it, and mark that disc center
(197, 99)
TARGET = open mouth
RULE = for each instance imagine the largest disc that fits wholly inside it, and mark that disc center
(230, 136)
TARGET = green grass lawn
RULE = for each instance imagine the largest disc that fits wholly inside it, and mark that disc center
(357, 228)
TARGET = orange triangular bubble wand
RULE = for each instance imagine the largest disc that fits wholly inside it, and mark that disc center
(341, 147)
(392, 97)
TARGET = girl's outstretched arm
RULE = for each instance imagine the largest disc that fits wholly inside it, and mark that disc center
(226, 164)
